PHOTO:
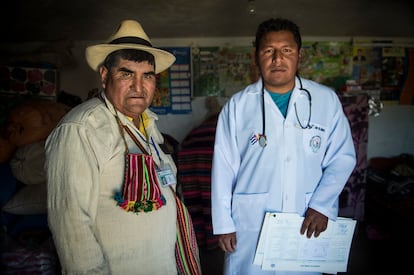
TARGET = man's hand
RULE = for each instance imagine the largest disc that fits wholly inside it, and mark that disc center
(227, 242)
(314, 223)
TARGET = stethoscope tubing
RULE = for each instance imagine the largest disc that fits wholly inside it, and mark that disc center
(307, 125)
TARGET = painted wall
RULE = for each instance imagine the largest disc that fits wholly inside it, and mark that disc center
(391, 133)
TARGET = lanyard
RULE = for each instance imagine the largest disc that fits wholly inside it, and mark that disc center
(133, 137)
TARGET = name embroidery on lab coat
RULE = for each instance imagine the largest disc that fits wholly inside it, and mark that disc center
(315, 143)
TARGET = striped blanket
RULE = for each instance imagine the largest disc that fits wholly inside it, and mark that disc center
(194, 175)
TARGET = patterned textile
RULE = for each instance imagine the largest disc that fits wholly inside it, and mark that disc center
(141, 191)
(194, 175)
(352, 198)
(186, 248)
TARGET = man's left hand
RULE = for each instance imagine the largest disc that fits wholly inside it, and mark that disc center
(314, 223)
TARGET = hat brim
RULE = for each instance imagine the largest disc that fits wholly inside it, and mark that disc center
(96, 54)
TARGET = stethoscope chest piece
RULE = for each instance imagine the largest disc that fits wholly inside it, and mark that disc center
(262, 141)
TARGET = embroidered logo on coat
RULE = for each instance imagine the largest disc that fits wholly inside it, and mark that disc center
(315, 143)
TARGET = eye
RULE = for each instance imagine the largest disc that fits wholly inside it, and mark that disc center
(268, 51)
(149, 76)
(285, 50)
(126, 75)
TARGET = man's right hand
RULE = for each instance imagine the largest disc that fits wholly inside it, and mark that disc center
(228, 242)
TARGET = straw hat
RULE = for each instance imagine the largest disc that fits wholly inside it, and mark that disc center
(129, 35)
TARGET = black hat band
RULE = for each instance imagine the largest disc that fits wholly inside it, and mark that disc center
(131, 40)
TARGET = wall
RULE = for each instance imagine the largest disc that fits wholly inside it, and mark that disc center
(391, 133)
(79, 79)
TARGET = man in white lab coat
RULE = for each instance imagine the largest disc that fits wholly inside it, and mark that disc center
(282, 144)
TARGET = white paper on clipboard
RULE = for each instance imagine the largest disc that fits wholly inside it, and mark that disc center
(258, 257)
(282, 247)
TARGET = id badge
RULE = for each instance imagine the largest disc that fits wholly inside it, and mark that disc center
(166, 175)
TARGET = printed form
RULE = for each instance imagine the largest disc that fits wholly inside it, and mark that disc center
(282, 247)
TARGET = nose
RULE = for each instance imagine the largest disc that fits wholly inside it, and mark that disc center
(137, 83)
(276, 55)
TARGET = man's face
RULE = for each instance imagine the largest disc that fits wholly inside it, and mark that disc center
(130, 86)
(278, 61)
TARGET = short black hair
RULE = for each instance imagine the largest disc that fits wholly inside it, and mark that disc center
(277, 24)
(129, 54)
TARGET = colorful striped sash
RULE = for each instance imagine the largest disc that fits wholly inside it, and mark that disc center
(186, 248)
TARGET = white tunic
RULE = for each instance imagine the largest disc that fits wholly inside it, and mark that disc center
(299, 168)
(85, 167)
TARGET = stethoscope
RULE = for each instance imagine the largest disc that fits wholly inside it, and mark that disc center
(307, 125)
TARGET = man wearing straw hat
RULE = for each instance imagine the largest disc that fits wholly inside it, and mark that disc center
(106, 217)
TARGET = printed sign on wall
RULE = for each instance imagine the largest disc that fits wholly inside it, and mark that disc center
(173, 93)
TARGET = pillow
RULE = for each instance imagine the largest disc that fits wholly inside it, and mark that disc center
(27, 163)
(33, 120)
(29, 200)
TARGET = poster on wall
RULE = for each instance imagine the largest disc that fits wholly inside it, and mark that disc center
(222, 71)
(174, 85)
(326, 62)
(380, 67)
(393, 68)
(366, 67)
(28, 81)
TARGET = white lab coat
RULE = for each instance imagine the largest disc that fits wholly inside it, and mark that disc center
(298, 168)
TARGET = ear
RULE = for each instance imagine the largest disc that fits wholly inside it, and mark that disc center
(103, 72)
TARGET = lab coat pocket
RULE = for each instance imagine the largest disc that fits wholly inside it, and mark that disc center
(249, 210)
(314, 140)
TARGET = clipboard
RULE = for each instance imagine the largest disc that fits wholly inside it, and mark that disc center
(282, 247)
